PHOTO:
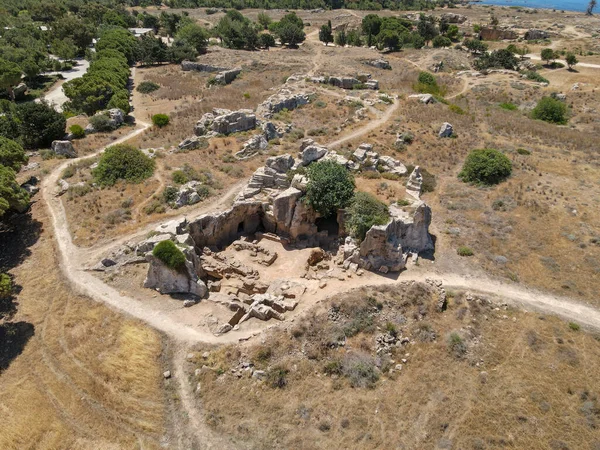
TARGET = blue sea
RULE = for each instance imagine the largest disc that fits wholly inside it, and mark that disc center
(567, 5)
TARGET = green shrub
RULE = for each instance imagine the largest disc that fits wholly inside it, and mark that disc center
(508, 106)
(534, 76)
(179, 177)
(102, 122)
(456, 109)
(360, 370)
(169, 254)
(427, 84)
(550, 110)
(77, 131)
(12, 154)
(485, 166)
(364, 212)
(522, 151)
(330, 187)
(123, 162)
(160, 120)
(456, 345)
(333, 368)
(277, 377)
(120, 100)
(464, 251)
(145, 87)
(169, 194)
(6, 286)
(403, 202)
(574, 326)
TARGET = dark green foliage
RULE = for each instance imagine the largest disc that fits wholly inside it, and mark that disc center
(371, 25)
(12, 154)
(290, 30)
(123, 162)
(266, 40)
(427, 84)
(236, 31)
(548, 55)
(264, 20)
(456, 345)
(12, 196)
(426, 27)
(169, 254)
(498, 59)
(533, 75)
(475, 46)
(77, 131)
(325, 33)
(194, 35)
(121, 40)
(9, 124)
(330, 187)
(6, 286)
(341, 38)
(441, 41)
(160, 120)
(120, 99)
(145, 87)
(571, 60)
(524, 152)
(181, 51)
(550, 110)
(10, 76)
(39, 124)
(152, 50)
(485, 166)
(364, 212)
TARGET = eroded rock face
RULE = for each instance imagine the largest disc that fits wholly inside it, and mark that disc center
(227, 76)
(343, 82)
(170, 281)
(423, 98)
(252, 146)
(379, 63)
(284, 100)
(281, 163)
(224, 121)
(192, 65)
(454, 18)
(533, 35)
(312, 153)
(64, 148)
(415, 183)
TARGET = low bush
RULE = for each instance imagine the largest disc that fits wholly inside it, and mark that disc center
(146, 87)
(574, 326)
(77, 131)
(160, 120)
(464, 251)
(456, 345)
(522, 151)
(550, 110)
(277, 377)
(169, 254)
(102, 123)
(485, 166)
(123, 162)
(508, 106)
(360, 371)
(534, 76)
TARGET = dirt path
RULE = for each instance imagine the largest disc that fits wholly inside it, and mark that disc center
(563, 62)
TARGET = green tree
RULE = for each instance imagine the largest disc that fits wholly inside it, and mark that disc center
(120, 99)
(550, 110)
(499, 59)
(330, 187)
(389, 39)
(364, 212)
(12, 196)
(89, 93)
(40, 124)
(30, 69)
(325, 33)
(290, 30)
(181, 51)
(441, 42)
(169, 254)
(266, 40)
(121, 40)
(123, 162)
(341, 39)
(194, 35)
(10, 76)
(12, 154)
(79, 32)
(371, 25)
(151, 50)
(475, 46)
(354, 38)
(485, 166)
(548, 55)
(264, 20)
(426, 27)
(452, 32)
(571, 60)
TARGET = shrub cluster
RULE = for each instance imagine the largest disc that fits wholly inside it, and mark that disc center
(169, 254)
(330, 187)
(485, 166)
(145, 87)
(364, 212)
(123, 162)
(550, 110)
(160, 120)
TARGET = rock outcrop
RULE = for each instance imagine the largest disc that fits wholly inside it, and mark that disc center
(227, 76)
(344, 82)
(198, 67)
(283, 100)
(423, 98)
(414, 184)
(64, 148)
(454, 18)
(446, 130)
(534, 35)
(379, 63)
(224, 121)
(173, 281)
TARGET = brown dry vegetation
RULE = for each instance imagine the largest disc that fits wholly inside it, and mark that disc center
(87, 378)
(475, 377)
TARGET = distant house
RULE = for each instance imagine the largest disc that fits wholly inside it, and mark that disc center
(139, 32)
(495, 34)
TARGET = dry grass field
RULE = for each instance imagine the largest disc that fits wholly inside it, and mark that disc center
(87, 377)
(476, 376)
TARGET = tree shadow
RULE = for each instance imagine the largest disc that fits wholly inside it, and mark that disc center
(13, 338)
(18, 232)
